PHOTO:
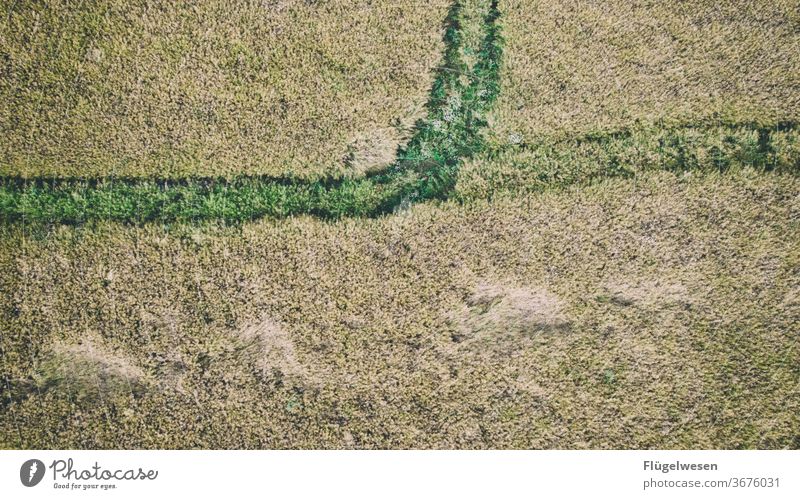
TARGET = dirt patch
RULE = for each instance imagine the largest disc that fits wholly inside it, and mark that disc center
(89, 369)
(274, 351)
(517, 308)
(107, 360)
(372, 151)
(506, 315)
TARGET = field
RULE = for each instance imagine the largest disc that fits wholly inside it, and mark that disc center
(583, 232)
(658, 313)
(576, 68)
(166, 89)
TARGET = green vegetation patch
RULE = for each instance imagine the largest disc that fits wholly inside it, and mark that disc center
(553, 164)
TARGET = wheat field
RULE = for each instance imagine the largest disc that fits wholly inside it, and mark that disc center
(660, 313)
(589, 240)
(574, 68)
(166, 89)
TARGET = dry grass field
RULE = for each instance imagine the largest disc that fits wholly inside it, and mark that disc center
(583, 67)
(607, 258)
(658, 312)
(167, 89)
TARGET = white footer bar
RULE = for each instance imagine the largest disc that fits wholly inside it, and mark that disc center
(378, 474)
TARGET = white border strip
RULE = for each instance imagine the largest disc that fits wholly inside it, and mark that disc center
(379, 474)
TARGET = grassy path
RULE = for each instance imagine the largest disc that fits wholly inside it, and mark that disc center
(466, 85)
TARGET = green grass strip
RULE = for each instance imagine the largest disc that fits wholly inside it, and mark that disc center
(528, 168)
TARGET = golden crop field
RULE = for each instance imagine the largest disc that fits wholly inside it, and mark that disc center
(169, 89)
(584, 233)
(660, 313)
(579, 67)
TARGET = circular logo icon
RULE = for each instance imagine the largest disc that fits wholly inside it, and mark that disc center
(31, 472)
